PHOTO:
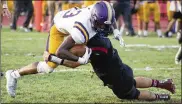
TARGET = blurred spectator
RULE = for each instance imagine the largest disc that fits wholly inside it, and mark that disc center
(53, 7)
(123, 8)
(75, 3)
(65, 5)
(176, 7)
(170, 13)
(139, 6)
(88, 3)
(4, 11)
(20, 6)
(152, 6)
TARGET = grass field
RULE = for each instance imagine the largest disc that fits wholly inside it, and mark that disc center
(81, 86)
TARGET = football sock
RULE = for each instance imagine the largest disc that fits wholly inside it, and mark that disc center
(139, 32)
(154, 83)
(170, 34)
(159, 32)
(145, 33)
(15, 74)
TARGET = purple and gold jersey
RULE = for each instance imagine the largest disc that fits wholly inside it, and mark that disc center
(76, 23)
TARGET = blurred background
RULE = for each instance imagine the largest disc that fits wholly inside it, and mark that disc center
(31, 15)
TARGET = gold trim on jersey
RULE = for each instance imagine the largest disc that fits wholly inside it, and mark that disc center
(82, 29)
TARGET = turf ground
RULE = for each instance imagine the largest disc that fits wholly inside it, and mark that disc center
(150, 57)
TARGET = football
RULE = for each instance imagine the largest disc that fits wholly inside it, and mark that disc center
(78, 50)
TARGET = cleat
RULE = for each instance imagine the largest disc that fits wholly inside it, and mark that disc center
(11, 84)
(167, 84)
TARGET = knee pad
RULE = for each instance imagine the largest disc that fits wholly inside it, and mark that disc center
(42, 67)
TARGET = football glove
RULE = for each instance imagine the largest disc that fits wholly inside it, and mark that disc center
(117, 36)
(86, 56)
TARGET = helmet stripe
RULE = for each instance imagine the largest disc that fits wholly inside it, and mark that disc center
(109, 9)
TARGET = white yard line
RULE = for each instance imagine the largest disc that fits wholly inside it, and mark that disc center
(148, 68)
(26, 39)
(152, 46)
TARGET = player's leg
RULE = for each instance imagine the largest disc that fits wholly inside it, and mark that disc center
(169, 12)
(140, 20)
(118, 11)
(16, 14)
(87, 3)
(178, 27)
(134, 93)
(30, 11)
(178, 57)
(157, 19)
(54, 40)
(169, 15)
(65, 5)
(127, 18)
(146, 13)
(51, 11)
(126, 88)
(143, 82)
(171, 23)
(147, 95)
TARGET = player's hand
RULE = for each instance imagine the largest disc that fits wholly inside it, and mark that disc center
(6, 12)
(86, 56)
(117, 36)
(46, 56)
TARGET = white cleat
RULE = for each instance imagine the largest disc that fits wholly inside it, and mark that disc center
(11, 84)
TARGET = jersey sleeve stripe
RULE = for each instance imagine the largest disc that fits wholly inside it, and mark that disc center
(75, 26)
(83, 30)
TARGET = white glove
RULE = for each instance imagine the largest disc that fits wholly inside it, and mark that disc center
(85, 58)
(117, 36)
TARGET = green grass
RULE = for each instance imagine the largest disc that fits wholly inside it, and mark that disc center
(19, 49)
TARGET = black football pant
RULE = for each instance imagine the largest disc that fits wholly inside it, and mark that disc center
(20, 6)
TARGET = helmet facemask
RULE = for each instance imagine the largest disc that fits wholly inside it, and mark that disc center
(101, 19)
(99, 26)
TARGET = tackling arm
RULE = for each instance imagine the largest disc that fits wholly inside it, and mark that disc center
(64, 53)
(63, 50)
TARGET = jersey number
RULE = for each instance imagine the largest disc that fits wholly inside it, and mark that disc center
(71, 13)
